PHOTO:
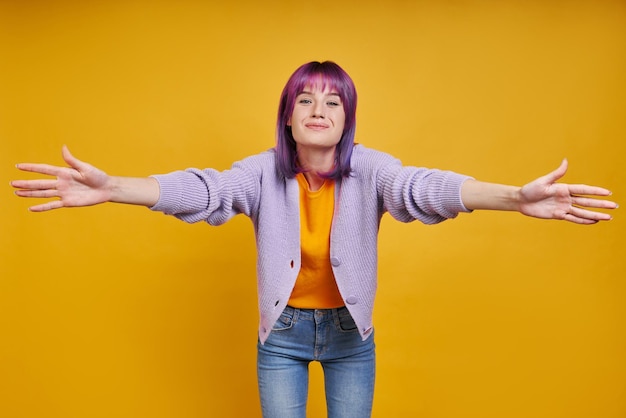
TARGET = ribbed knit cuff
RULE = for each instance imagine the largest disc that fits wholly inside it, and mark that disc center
(181, 192)
(440, 192)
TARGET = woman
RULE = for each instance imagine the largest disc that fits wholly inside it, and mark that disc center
(316, 201)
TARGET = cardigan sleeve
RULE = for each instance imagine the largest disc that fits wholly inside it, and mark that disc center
(413, 193)
(214, 196)
(428, 195)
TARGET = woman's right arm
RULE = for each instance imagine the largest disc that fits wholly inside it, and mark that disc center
(82, 184)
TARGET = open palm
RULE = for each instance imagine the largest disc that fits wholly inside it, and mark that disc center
(80, 184)
(544, 198)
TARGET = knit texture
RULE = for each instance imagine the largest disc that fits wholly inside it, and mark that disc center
(254, 187)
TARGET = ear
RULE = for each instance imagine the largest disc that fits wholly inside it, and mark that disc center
(289, 122)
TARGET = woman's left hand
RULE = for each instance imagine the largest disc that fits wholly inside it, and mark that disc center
(546, 199)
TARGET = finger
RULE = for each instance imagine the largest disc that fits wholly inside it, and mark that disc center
(580, 221)
(50, 170)
(73, 161)
(34, 184)
(581, 189)
(37, 193)
(53, 204)
(557, 174)
(589, 215)
(593, 203)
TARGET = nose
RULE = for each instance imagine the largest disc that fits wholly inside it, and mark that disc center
(318, 110)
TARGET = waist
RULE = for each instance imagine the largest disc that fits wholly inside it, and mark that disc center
(315, 314)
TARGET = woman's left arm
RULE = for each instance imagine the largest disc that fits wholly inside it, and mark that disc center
(542, 198)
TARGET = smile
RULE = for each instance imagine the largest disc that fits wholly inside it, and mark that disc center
(316, 126)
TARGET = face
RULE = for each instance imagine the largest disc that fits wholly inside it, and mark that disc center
(318, 118)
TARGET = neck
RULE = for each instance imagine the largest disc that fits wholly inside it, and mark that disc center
(315, 161)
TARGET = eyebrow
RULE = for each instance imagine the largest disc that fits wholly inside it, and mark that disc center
(329, 94)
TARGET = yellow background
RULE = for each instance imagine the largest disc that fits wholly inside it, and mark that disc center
(113, 311)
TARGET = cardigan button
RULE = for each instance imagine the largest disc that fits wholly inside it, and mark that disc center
(335, 261)
(352, 300)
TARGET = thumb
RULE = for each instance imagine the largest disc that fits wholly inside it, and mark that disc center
(557, 174)
(73, 161)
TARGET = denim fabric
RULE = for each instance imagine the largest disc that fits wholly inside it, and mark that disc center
(329, 336)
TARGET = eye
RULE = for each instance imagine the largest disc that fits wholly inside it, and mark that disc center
(305, 101)
(333, 103)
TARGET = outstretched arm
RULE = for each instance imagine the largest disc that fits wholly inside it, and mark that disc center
(542, 198)
(82, 184)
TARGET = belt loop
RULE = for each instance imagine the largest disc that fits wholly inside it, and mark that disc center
(335, 315)
(295, 312)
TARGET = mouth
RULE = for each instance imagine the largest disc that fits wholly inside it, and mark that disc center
(316, 126)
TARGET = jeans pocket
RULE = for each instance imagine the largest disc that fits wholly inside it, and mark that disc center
(345, 321)
(285, 321)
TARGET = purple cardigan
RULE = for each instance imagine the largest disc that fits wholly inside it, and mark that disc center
(253, 186)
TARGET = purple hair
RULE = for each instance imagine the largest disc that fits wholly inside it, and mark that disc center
(325, 74)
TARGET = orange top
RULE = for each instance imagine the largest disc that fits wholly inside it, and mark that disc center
(315, 286)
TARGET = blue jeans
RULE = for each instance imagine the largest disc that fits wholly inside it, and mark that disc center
(329, 336)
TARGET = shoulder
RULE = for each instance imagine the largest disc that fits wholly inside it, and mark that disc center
(364, 157)
(262, 162)
(262, 158)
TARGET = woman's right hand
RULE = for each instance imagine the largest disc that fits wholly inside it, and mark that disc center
(80, 184)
